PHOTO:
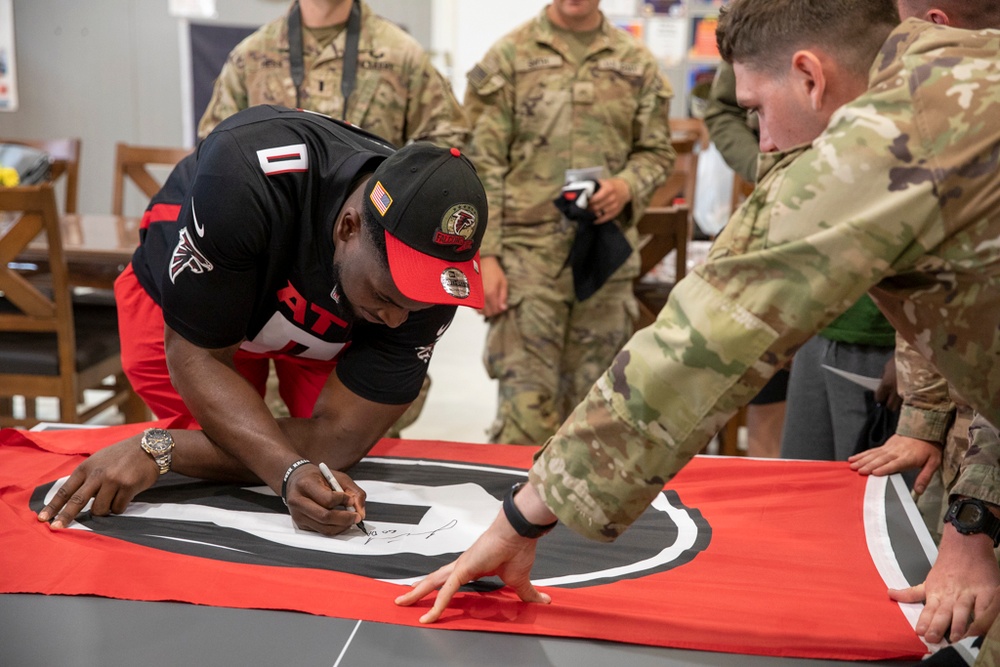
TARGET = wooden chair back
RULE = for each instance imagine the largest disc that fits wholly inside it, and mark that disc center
(133, 163)
(661, 230)
(65, 154)
(42, 350)
(688, 136)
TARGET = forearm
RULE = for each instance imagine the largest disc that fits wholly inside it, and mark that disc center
(195, 455)
(652, 156)
(980, 472)
(343, 427)
(229, 410)
(339, 444)
(927, 405)
(661, 401)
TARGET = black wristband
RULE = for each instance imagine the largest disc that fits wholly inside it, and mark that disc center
(522, 526)
(288, 473)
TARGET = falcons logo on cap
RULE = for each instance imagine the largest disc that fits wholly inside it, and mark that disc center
(464, 220)
(185, 256)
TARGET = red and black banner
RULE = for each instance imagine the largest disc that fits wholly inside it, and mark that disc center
(743, 556)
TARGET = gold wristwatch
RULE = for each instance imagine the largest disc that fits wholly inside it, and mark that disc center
(159, 444)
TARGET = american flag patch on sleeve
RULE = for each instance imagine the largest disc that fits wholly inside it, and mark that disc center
(380, 198)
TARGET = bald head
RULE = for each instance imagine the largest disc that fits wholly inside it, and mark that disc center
(968, 14)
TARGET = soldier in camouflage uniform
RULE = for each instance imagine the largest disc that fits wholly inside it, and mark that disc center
(566, 90)
(934, 415)
(897, 193)
(398, 94)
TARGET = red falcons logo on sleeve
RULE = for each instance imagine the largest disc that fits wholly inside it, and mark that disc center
(187, 256)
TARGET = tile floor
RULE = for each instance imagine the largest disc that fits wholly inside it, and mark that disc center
(462, 401)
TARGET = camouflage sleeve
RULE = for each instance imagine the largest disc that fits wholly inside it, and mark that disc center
(797, 254)
(652, 156)
(433, 114)
(489, 107)
(228, 96)
(927, 406)
(727, 126)
(980, 473)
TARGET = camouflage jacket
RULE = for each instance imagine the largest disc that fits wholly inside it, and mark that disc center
(398, 94)
(980, 473)
(900, 194)
(536, 114)
(731, 129)
(928, 402)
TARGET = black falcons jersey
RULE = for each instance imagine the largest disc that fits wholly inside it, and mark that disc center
(238, 246)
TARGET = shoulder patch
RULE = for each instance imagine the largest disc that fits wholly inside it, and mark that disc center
(478, 76)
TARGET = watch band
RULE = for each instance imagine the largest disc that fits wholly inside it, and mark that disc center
(981, 521)
(521, 525)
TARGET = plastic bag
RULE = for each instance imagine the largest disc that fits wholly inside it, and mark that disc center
(32, 165)
(713, 192)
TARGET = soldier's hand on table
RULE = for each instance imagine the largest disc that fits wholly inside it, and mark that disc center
(499, 551)
(900, 453)
(961, 586)
(315, 506)
(494, 286)
(112, 477)
(610, 199)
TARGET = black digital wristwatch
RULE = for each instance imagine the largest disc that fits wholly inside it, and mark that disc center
(971, 516)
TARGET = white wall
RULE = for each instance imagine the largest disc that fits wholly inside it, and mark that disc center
(465, 29)
(112, 70)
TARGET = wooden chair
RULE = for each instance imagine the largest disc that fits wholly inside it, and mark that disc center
(729, 436)
(49, 345)
(688, 136)
(668, 222)
(134, 162)
(661, 230)
(65, 154)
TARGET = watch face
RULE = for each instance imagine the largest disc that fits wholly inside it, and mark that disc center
(970, 514)
(157, 441)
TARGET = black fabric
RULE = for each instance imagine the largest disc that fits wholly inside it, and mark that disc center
(350, 74)
(598, 250)
(775, 391)
(879, 426)
(296, 63)
(249, 253)
(295, 60)
(946, 657)
(33, 353)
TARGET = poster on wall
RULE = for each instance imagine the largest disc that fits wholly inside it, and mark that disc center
(8, 77)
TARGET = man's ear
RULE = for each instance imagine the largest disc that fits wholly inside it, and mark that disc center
(937, 16)
(808, 73)
(348, 225)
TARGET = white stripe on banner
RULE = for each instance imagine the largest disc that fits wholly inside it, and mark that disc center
(880, 547)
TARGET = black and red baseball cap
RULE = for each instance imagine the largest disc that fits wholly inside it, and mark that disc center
(433, 207)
